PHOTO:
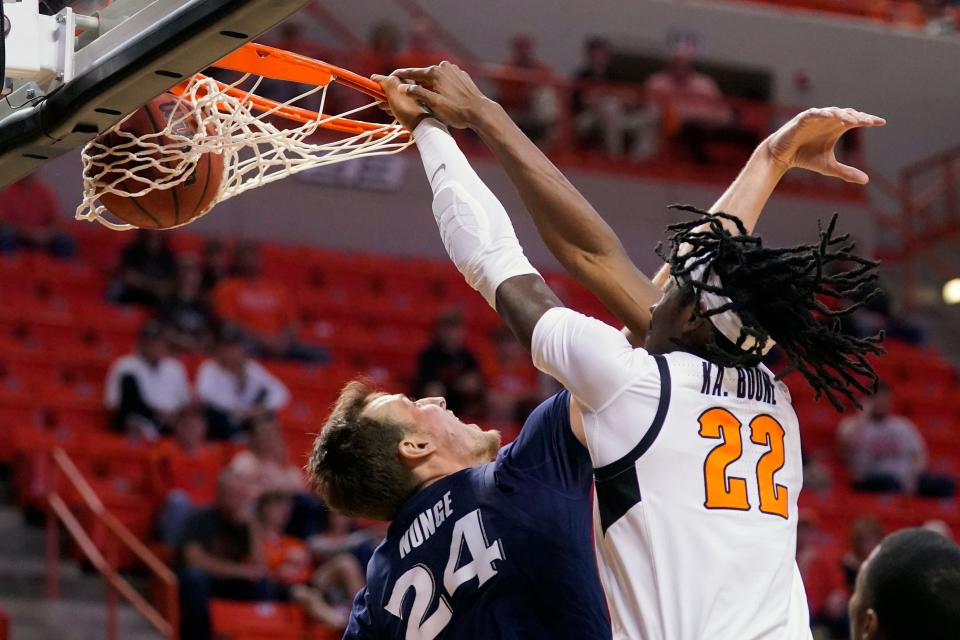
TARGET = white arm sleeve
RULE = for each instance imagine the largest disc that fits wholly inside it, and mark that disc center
(475, 228)
(594, 361)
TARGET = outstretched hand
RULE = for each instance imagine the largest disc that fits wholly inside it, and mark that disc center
(809, 141)
(447, 91)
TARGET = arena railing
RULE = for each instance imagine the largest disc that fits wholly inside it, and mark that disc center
(165, 618)
(760, 117)
(927, 215)
(901, 13)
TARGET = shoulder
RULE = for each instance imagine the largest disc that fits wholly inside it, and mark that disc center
(704, 82)
(904, 425)
(127, 362)
(173, 366)
(208, 368)
(256, 370)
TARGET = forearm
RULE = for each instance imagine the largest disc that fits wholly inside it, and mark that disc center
(573, 231)
(474, 227)
(746, 196)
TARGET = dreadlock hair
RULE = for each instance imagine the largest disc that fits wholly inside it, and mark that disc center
(775, 294)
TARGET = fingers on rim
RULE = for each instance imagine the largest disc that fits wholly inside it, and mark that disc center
(414, 73)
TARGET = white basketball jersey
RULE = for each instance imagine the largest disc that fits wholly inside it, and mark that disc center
(697, 472)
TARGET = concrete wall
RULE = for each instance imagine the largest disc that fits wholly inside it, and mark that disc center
(903, 75)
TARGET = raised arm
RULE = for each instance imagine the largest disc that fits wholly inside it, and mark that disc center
(573, 230)
(474, 227)
(480, 240)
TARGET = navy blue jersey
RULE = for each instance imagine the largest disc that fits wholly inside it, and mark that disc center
(503, 550)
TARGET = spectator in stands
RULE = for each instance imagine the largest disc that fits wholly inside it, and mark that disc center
(822, 578)
(145, 389)
(30, 219)
(236, 390)
(265, 466)
(512, 384)
(287, 558)
(215, 263)
(866, 532)
(186, 315)
(381, 54)
(816, 475)
(695, 107)
(291, 36)
(218, 557)
(420, 50)
(531, 103)
(264, 308)
(344, 535)
(618, 121)
(939, 19)
(184, 471)
(880, 314)
(147, 271)
(886, 453)
(446, 367)
(323, 593)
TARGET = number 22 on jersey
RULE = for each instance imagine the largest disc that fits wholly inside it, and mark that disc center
(730, 492)
(467, 531)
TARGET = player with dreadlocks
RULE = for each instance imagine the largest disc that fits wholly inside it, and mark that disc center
(694, 444)
(755, 294)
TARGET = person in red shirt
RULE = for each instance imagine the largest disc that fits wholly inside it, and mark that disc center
(184, 471)
(263, 308)
(289, 562)
(29, 219)
(381, 54)
(420, 51)
(695, 105)
(287, 557)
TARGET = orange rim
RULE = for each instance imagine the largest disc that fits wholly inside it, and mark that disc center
(286, 65)
(278, 64)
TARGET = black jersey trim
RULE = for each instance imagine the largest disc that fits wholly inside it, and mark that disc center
(617, 467)
(617, 484)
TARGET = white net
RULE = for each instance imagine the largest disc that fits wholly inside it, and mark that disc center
(258, 146)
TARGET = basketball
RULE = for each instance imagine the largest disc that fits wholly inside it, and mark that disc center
(161, 208)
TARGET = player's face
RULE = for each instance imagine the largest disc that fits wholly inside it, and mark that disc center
(863, 620)
(466, 444)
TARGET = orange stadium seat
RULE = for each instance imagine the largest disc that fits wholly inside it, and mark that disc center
(255, 621)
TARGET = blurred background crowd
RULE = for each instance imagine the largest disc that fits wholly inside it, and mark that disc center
(188, 373)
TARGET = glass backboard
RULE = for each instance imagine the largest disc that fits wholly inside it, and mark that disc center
(109, 57)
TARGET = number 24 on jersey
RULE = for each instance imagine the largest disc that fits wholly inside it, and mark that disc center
(468, 531)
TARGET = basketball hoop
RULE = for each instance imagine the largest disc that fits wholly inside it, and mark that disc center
(261, 140)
